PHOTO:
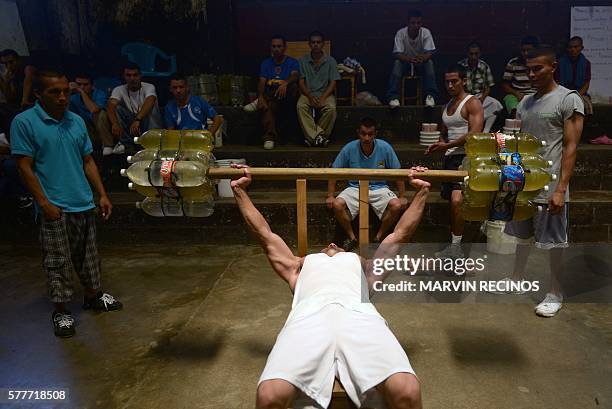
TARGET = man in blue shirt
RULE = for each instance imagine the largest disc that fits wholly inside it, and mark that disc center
(89, 103)
(193, 112)
(367, 152)
(55, 163)
(277, 88)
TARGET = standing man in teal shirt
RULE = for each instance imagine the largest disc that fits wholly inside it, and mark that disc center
(318, 76)
(55, 163)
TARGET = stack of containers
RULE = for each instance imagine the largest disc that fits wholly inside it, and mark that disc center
(505, 174)
(429, 134)
(171, 173)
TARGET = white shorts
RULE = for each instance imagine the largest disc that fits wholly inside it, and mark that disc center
(358, 348)
(379, 199)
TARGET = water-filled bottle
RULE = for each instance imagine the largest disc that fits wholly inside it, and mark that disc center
(196, 192)
(476, 161)
(167, 173)
(475, 198)
(528, 160)
(206, 158)
(525, 197)
(170, 207)
(536, 179)
(491, 178)
(480, 144)
(528, 143)
(172, 139)
(487, 143)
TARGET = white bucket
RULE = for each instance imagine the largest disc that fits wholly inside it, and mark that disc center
(499, 242)
(224, 187)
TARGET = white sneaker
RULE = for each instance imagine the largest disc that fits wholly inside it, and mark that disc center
(508, 286)
(108, 150)
(119, 149)
(269, 145)
(250, 107)
(550, 306)
(430, 101)
(394, 103)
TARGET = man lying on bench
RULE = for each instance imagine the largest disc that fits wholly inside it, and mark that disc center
(330, 332)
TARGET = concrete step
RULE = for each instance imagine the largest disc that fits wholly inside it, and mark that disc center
(590, 221)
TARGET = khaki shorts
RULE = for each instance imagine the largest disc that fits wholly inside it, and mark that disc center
(379, 199)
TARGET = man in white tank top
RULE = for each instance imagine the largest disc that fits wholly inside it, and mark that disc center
(462, 115)
(331, 331)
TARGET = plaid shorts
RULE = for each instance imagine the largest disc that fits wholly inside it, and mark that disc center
(69, 244)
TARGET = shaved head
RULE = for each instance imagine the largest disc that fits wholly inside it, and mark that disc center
(547, 52)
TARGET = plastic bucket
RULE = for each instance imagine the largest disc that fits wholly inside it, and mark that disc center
(499, 242)
(224, 187)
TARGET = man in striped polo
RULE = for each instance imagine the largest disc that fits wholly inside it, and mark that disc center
(516, 83)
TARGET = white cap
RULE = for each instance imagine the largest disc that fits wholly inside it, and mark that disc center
(543, 143)
(129, 159)
(136, 139)
(546, 188)
(549, 162)
(123, 172)
(131, 186)
(539, 208)
(138, 205)
(553, 176)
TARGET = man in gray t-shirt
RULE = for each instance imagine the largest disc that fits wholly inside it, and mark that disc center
(553, 114)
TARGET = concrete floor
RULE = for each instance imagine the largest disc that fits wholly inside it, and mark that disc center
(199, 322)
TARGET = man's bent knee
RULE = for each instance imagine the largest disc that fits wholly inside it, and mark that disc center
(403, 390)
(339, 204)
(456, 198)
(394, 206)
(274, 393)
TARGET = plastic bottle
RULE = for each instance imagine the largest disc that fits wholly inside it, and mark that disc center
(167, 173)
(487, 178)
(170, 207)
(528, 161)
(489, 144)
(480, 213)
(166, 139)
(475, 198)
(196, 192)
(206, 158)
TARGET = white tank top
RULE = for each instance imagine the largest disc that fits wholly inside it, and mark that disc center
(326, 280)
(457, 126)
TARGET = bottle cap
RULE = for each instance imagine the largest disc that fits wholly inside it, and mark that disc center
(138, 205)
(543, 143)
(553, 176)
(123, 172)
(549, 162)
(129, 159)
(546, 188)
(136, 139)
(540, 208)
(131, 186)
(465, 179)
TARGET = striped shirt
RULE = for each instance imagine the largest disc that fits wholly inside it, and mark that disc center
(479, 78)
(517, 75)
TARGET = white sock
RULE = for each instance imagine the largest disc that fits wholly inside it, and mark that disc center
(456, 239)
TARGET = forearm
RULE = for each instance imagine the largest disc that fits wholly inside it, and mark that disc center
(217, 121)
(568, 162)
(409, 221)
(91, 171)
(90, 104)
(261, 86)
(329, 90)
(425, 56)
(402, 57)
(585, 87)
(146, 109)
(253, 218)
(331, 188)
(112, 114)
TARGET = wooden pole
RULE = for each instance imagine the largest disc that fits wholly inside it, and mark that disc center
(364, 213)
(338, 174)
(302, 217)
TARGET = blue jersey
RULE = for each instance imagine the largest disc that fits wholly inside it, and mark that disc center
(57, 148)
(382, 157)
(191, 116)
(273, 72)
(78, 106)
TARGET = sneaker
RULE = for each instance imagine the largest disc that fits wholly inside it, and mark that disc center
(451, 251)
(63, 324)
(101, 302)
(108, 150)
(250, 107)
(394, 103)
(550, 306)
(349, 245)
(430, 101)
(268, 145)
(119, 149)
(321, 141)
(505, 287)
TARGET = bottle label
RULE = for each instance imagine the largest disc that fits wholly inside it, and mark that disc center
(501, 142)
(511, 178)
(166, 171)
(509, 158)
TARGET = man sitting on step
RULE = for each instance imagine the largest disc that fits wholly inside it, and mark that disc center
(333, 330)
